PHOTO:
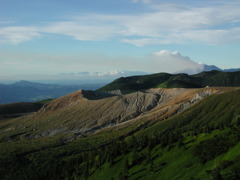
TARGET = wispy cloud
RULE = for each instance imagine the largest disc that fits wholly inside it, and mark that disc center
(211, 37)
(165, 24)
(5, 22)
(80, 31)
(18, 34)
(143, 1)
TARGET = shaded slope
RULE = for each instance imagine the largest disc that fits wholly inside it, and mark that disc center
(18, 109)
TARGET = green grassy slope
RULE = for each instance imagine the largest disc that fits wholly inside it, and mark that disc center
(164, 80)
(202, 142)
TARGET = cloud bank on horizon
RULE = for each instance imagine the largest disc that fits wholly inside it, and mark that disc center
(132, 35)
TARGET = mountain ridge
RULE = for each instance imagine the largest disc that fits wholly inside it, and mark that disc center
(165, 80)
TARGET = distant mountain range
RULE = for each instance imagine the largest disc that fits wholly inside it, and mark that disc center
(25, 91)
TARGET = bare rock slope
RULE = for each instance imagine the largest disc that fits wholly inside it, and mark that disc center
(85, 112)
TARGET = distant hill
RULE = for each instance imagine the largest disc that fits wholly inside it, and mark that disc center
(25, 91)
(210, 68)
(165, 80)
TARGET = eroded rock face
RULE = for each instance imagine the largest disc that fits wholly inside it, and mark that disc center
(129, 106)
(85, 112)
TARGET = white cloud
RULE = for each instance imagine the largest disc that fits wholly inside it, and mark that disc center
(166, 53)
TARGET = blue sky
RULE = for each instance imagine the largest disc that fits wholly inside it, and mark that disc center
(59, 36)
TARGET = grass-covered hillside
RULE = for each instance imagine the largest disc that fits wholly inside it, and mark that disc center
(201, 143)
(164, 80)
